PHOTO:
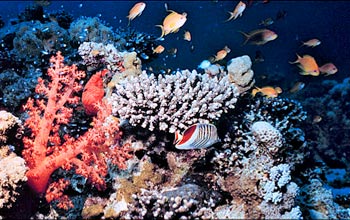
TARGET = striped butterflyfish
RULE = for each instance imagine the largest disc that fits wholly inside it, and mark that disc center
(197, 136)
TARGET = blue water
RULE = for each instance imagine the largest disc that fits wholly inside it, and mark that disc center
(329, 21)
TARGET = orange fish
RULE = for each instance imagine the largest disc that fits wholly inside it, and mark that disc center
(93, 92)
(308, 65)
(187, 36)
(172, 23)
(221, 54)
(135, 11)
(328, 69)
(197, 136)
(259, 36)
(240, 7)
(267, 91)
(311, 43)
(159, 49)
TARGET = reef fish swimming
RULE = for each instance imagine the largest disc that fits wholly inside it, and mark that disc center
(136, 10)
(259, 36)
(197, 136)
(308, 65)
(172, 23)
(240, 7)
(267, 91)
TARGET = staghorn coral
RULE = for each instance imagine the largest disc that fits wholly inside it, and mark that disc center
(184, 202)
(12, 176)
(172, 102)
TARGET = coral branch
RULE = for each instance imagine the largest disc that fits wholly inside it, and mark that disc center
(45, 150)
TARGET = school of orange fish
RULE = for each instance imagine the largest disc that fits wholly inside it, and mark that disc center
(204, 135)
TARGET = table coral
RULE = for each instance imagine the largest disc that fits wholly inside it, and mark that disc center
(172, 102)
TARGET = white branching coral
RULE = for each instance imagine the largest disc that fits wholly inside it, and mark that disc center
(172, 102)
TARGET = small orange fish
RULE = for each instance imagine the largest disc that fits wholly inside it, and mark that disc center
(238, 11)
(197, 136)
(221, 54)
(311, 43)
(159, 49)
(172, 23)
(187, 36)
(135, 11)
(308, 65)
(267, 91)
(328, 69)
(259, 36)
(297, 87)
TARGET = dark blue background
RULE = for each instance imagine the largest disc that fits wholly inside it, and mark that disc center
(328, 21)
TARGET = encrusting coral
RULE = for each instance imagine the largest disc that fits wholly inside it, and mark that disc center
(45, 150)
(172, 102)
(12, 176)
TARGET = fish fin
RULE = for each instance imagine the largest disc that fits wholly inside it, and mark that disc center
(178, 137)
(161, 27)
(212, 59)
(247, 36)
(170, 11)
(129, 20)
(254, 91)
(297, 61)
(232, 15)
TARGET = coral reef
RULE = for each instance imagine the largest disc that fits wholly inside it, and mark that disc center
(12, 176)
(240, 73)
(45, 151)
(11, 128)
(172, 102)
(85, 29)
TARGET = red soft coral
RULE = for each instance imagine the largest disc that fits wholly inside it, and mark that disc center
(45, 151)
(93, 92)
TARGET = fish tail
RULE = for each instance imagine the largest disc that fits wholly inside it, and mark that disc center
(297, 61)
(232, 15)
(247, 36)
(161, 27)
(254, 91)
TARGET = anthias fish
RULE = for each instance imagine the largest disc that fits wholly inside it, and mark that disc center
(197, 136)
(308, 65)
(267, 91)
(259, 36)
(136, 10)
(172, 23)
(237, 11)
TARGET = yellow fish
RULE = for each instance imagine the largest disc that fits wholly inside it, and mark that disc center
(267, 91)
(172, 23)
(308, 65)
(135, 11)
